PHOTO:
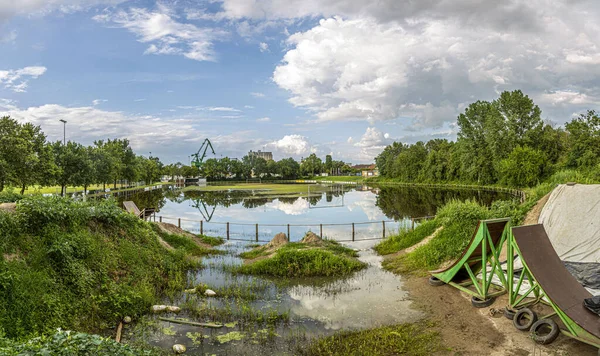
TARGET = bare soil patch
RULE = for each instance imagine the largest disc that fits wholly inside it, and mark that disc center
(466, 330)
(425, 241)
(9, 207)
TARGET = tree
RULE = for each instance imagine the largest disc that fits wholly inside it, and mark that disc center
(289, 168)
(583, 140)
(385, 160)
(74, 165)
(33, 158)
(524, 167)
(328, 166)
(311, 165)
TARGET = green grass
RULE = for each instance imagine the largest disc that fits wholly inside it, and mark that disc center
(210, 240)
(406, 238)
(303, 262)
(404, 339)
(254, 253)
(80, 266)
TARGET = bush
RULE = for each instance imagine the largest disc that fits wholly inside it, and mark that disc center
(82, 266)
(10, 197)
(70, 343)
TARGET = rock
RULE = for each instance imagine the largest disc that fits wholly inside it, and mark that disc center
(210, 293)
(311, 238)
(179, 349)
(173, 309)
(158, 308)
(127, 319)
(278, 240)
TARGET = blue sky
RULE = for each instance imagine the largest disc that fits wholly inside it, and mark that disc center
(345, 77)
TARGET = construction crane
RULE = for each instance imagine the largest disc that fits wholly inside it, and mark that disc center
(198, 159)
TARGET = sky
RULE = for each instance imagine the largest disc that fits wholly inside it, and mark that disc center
(295, 77)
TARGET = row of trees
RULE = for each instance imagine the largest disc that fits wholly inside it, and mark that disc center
(27, 158)
(503, 141)
(252, 166)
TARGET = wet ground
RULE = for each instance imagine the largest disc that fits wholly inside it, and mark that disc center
(274, 317)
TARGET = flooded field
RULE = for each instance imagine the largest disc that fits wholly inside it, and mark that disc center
(270, 316)
(263, 315)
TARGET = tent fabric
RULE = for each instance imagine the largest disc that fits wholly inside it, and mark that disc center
(571, 219)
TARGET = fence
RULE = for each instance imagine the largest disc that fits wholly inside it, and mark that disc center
(360, 231)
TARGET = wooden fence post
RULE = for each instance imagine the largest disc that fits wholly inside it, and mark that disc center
(160, 218)
(256, 232)
(227, 230)
(413, 223)
(201, 227)
(179, 223)
(352, 231)
(383, 223)
(321, 230)
(288, 235)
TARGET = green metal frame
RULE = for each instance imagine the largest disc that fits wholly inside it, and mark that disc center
(490, 256)
(536, 294)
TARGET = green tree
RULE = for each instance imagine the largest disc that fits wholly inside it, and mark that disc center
(583, 143)
(524, 167)
(311, 165)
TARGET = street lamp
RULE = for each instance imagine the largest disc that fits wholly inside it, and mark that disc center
(64, 131)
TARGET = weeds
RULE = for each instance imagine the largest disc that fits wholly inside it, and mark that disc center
(406, 238)
(405, 339)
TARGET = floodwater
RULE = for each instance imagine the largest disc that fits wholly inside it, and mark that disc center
(277, 317)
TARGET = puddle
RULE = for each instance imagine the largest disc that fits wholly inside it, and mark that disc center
(274, 317)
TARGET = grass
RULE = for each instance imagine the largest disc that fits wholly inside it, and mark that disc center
(406, 238)
(210, 240)
(300, 262)
(56, 189)
(233, 310)
(296, 259)
(405, 339)
(80, 266)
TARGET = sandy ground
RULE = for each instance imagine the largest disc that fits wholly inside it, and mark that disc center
(466, 330)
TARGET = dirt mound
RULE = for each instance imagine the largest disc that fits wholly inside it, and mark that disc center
(279, 240)
(311, 238)
(167, 228)
(9, 207)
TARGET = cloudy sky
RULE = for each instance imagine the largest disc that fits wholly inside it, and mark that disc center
(345, 77)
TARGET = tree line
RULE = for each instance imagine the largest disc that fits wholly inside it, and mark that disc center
(27, 158)
(253, 166)
(504, 141)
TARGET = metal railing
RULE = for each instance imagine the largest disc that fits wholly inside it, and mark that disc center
(255, 232)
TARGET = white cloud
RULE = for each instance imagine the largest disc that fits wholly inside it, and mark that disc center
(221, 108)
(248, 107)
(372, 142)
(264, 47)
(292, 144)
(17, 80)
(9, 8)
(299, 207)
(138, 100)
(350, 140)
(164, 34)
(98, 102)
(263, 119)
(257, 95)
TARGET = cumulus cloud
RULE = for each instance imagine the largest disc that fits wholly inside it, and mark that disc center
(421, 62)
(98, 102)
(17, 80)
(164, 33)
(372, 142)
(299, 207)
(264, 47)
(292, 144)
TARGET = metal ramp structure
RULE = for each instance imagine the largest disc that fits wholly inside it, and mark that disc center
(482, 255)
(549, 282)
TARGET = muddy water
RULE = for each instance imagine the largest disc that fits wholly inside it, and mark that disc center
(316, 307)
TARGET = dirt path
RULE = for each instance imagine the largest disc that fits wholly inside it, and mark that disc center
(466, 330)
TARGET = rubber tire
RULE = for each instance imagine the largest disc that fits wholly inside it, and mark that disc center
(509, 313)
(478, 303)
(522, 313)
(436, 282)
(544, 339)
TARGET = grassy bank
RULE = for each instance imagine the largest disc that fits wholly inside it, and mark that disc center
(80, 266)
(261, 189)
(296, 259)
(405, 339)
(459, 220)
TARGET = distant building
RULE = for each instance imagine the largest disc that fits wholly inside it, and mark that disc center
(266, 155)
(367, 170)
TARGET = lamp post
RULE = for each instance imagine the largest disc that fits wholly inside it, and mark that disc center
(64, 131)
